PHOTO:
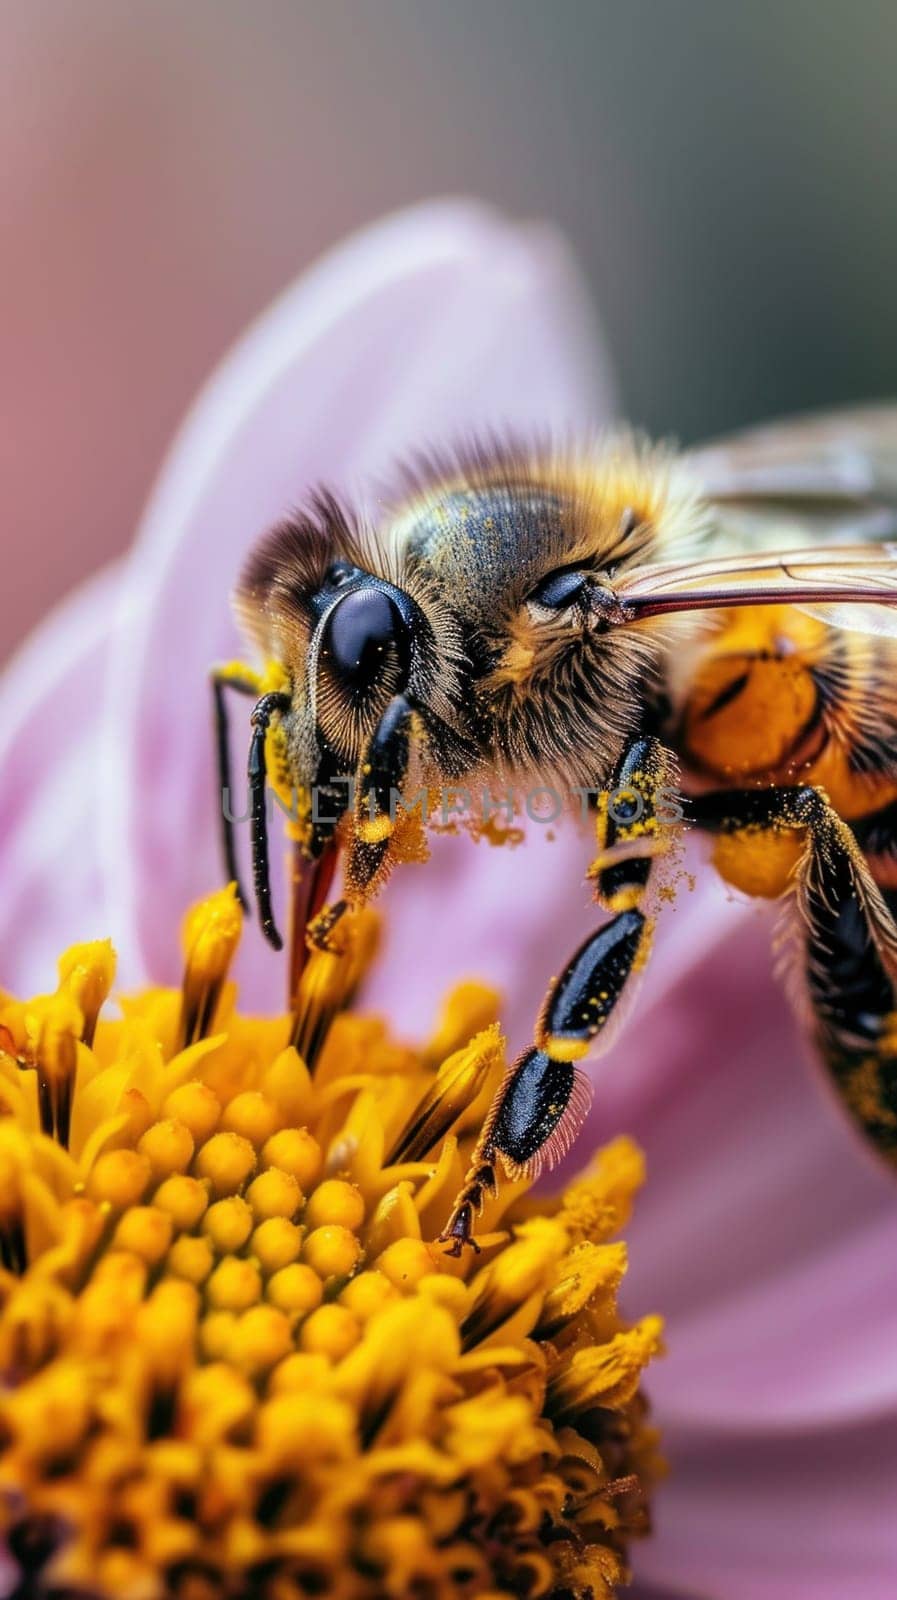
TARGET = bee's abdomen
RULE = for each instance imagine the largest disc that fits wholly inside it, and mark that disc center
(778, 697)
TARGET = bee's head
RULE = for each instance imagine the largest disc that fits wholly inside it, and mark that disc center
(333, 609)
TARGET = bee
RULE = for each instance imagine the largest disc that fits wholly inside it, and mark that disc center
(619, 621)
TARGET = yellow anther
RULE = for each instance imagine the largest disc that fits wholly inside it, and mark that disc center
(335, 1201)
(605, 1374)
(367, 1294)
(146, 1231)
(226, 1161)
(86, 973)
(185, 1200)
(261, 1338)
(276, 1243)
(235, 1285)
(196, 1105)
(120, 1178)
(191, 1258)
(332, 1251)
(456, 1086)
(406, 1261)
(296, 1288)
(274, 1194)
(296, 1151)
(211, 934)
(228, 1224)
(330, 1331)
(253, 1116)
(168, 1146)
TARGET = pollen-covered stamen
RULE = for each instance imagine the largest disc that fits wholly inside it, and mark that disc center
(516, 1280)
(54, 1049)
(343, 944)
(210, 936)
(86, 973)
(13, 1250)
(458, 1082)
(603, 1375)
(588, 1272)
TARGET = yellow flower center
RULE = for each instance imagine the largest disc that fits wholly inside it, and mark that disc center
(234, 1361)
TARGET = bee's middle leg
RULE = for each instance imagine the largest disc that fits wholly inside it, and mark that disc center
(540, 1105)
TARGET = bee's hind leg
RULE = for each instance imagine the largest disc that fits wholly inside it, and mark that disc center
(844, 957)
(543, 1099)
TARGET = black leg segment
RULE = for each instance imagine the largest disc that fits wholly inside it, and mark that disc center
(544, 1098)
(269, 706)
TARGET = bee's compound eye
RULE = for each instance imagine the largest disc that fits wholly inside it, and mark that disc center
(364, 634)
(559, 590)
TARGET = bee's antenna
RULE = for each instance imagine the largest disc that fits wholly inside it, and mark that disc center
(269, 705)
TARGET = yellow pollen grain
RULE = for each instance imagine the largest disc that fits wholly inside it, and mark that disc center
(296, 1151)
(120, 1177)
(406, 1261)
(373, 830)
(367, 1294)
(295, 1288)
(275, 1243)
(228, 1224)
(215, 1334)
(191, 1258)
(261, 1338)
(146, 1230)
(274, 1194)
(185, 1199)
(253, 1116)
(225, 1161)
(196, 1105)
(330, 1331)
(168, 1146)
(332, 1251)
(235, 1285)
(335, 1201)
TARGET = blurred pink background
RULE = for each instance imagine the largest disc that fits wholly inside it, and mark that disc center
(726, 177)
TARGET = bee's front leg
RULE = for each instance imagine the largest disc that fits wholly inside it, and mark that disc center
(539, 1107)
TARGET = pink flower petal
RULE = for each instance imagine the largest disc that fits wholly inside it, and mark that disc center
(50, 782)
(809, 1517)
(440, 321)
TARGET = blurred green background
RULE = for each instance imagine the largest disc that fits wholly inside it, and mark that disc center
(725, 172)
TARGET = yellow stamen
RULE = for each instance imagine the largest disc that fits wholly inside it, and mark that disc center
(234, 1356)
(210, 937)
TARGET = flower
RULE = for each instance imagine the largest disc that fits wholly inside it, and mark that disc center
(236, 1360)
(764, 1234)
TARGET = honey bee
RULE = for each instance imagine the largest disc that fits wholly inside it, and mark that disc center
(616, 620)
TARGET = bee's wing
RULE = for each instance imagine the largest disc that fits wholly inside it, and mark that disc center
(853, 586)
(801, 514)
(826, 478)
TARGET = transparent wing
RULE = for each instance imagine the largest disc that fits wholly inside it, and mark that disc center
(826, 478)
(852, 586)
